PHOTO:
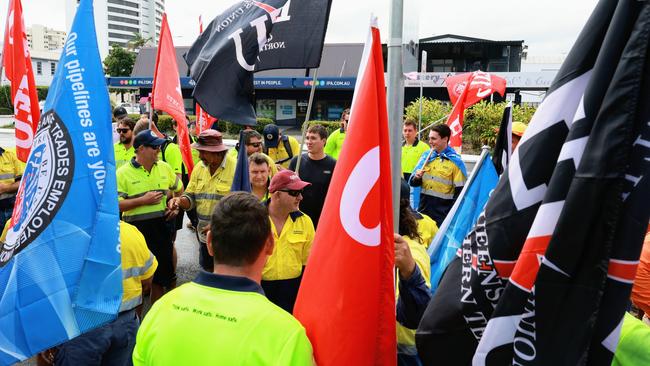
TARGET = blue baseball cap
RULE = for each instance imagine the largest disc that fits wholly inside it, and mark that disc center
(271, 135)
(147, 138)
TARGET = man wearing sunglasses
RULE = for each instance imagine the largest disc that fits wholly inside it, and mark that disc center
(124, 151)
(142, 187)
(293, 233)
(253, 144)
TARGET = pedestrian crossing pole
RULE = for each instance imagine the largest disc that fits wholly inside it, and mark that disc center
(395, 102)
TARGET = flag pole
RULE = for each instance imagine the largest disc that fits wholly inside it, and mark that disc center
(304, 125)
(395, 98)
(434, 123)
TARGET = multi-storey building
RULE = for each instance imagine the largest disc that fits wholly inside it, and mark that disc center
(41, 38)
(118, 21)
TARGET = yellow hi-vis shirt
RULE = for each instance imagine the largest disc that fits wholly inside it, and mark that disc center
(406, 336)
(441, 177)
(334, 143)
(220, 320)
(427, 228)
(138, 264)
(172, 156)
(292, 247)
(205, 190)
(122, 154)
(134, 181)
(411, 155)
(11, 170)
(279, 153)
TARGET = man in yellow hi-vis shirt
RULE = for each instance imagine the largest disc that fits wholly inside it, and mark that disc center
(223, 318)
(293, 232)
(210, 181)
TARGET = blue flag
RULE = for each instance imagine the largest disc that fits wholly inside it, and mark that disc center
(462, 217)
(60, 272)
(241, 181)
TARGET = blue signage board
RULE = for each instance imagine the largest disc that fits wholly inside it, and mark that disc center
(127, 82)
(325, 83)
(273, 83)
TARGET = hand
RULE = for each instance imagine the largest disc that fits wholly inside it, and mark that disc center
(419, 173)
(403, 259)
(174, 203)
(279, 167)
(171, 214)
(151, 198)
(4, 187)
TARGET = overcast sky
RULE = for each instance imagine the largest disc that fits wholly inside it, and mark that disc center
(548, 27)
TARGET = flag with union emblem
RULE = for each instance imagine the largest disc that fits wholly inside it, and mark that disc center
(347, 299)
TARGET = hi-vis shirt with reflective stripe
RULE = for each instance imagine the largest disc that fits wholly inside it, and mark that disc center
(205, 190)
(134, 181)
(441, 177)
(138, 264)
(292, 248)
(11, 170)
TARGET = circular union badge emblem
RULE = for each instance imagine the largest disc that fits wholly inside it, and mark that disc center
(44, 185)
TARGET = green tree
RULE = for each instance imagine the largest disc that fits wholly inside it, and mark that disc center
(119, 62)
(138, 41)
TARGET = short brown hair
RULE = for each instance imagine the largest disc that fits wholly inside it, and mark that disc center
(411, 122)
(318, 129)
(239, 229)
(442, 129)
(128, 122)
(257, 158)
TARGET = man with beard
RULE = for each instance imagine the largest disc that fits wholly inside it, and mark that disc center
(124, 151)
(210, 181)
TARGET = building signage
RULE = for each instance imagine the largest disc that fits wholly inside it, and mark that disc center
(273, 83)
(126, 82)
(324, 83)
(541, 80)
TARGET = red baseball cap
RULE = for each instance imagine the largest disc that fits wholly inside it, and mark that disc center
(286, 179)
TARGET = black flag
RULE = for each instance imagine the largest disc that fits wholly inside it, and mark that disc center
(503, 147)
(252, 36)
(472, 286)
(509, 331)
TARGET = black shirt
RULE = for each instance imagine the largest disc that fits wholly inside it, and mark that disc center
(319, 174)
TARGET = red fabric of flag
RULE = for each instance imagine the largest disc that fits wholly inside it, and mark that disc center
(18, 69)
(203, 119)
(347, 298)
(456, 117)
(166, 93)
(482, 85)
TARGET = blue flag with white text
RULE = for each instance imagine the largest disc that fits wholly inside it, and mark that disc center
(60, 273)
(241, 181)
(462, 217)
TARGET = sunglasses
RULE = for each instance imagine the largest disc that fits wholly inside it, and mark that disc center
(292, 193)
(255, 144)
(122, 130)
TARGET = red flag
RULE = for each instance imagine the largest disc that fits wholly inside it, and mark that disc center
(481, 85)
(203, 119)
(166, 92)
(18, 69)
(347, 298)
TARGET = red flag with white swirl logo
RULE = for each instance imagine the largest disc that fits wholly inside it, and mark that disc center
(347, 299)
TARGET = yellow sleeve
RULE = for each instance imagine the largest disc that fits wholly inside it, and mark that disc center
(297, 351)
(330, 147)
(122, 188)
(175, 184)
(459, 178)
(19, 166)
(137, 248)
(191, 186)
(421, 260)
(295, 146)
(309, 233)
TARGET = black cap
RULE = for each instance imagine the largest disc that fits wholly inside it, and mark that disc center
(271, 135)
(147, 138)
(120, 112)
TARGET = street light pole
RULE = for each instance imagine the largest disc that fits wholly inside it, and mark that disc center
(395, 101)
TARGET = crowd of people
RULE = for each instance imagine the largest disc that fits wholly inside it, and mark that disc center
(253, 247)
